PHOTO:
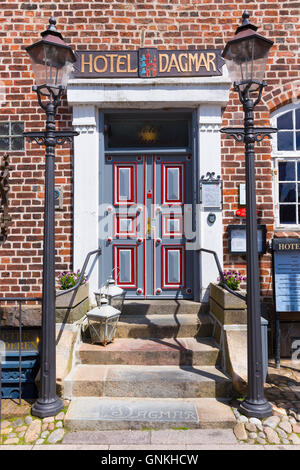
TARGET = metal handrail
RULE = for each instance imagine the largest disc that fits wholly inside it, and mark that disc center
(222, 279)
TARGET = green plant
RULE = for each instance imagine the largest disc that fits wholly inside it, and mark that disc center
(68, 279)
(233, 279)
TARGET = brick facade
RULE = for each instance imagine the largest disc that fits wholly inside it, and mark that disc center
(117, 25)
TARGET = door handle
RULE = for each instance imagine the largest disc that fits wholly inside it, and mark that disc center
(149, 226)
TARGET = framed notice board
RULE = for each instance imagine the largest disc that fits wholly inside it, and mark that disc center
(286, 268)
(286, 282)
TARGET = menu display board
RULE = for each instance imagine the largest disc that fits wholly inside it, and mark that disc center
(286, 253)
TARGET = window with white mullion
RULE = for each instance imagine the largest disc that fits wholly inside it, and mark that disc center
(288, 181)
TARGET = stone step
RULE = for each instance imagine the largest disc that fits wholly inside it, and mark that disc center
(154, 351)
(147, 381)
(164, 326)
(163, 307)
(105, 414)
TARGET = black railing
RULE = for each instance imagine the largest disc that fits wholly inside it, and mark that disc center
(222, 279)
(19, 301)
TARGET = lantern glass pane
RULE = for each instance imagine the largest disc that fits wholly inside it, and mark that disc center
(51, 64)
(246, 59)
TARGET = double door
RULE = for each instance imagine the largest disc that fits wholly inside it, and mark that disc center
(147, 200)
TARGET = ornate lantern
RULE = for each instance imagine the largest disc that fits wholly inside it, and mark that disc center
(52, 60)
(114, 294)
(246, 55)
(103, 321)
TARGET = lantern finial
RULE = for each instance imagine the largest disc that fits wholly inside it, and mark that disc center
(52, 29)
(246, 16)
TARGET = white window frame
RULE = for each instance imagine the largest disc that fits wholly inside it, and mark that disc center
(279, 156)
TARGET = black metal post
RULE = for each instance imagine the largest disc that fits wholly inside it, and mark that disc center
(48, 404)
(255, 404)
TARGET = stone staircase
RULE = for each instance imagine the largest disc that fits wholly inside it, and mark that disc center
(162, 371)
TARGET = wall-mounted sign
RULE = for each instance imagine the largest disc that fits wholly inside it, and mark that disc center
(237, 239)
(148, 63)
(30, 339)
(242, 194)
(286, 262)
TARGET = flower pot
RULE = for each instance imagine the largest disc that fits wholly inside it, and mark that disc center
(226, 307)
(71, 306)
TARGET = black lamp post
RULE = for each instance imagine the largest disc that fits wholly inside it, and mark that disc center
(246, 57)
(52, 61)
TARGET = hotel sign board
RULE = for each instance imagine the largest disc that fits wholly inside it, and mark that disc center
(148, 63)
(286, 252)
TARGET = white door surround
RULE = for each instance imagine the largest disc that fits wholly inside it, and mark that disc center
(207, 95)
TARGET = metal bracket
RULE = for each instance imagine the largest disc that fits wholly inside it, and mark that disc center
(259, 133)
(60, 137)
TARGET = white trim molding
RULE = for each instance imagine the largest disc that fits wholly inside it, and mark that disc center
(211, 235)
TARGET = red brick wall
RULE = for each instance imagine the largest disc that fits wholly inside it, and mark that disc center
(171, 24)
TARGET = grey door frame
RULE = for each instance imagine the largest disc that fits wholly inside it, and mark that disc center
(193, 150)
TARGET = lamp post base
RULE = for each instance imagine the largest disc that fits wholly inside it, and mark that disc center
(255, 409)
(44, 408)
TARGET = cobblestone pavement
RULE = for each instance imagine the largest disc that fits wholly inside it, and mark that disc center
(18, 427)
(283, 392)
(282, 430)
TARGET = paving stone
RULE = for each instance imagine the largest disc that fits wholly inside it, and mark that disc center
(28, 420)
(6, 431)
(243, 419)
(56, 436)
(214, 414)
(44, 426)
(13, 440)
(250, 427)
(60, 416)
(39, 442)
(45, 434)
(261, 440)
(281, 433)
(108, 437)
(194, 436)
(296, 428)
(49, 419)
(294, 439)
(21, 434)
(257, 422)
(271, 422)
(286, 426)
(33, 431)
(21, 428)
(285, 440)
(12, 434)
(59, 424)
(253, 435)
(240, 432)
(262, 435)
(4, 424)
(272, 435)
(51, 426)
